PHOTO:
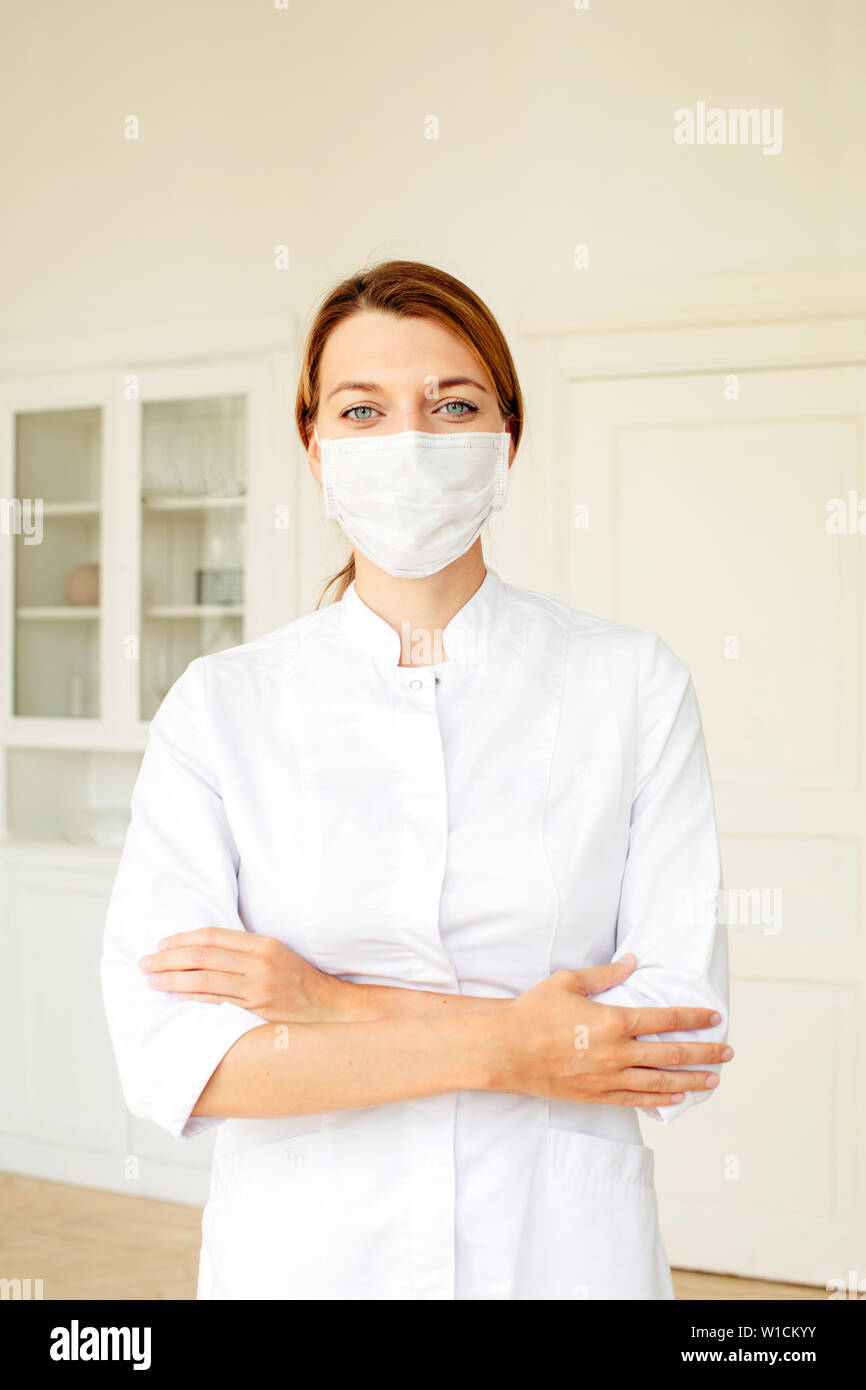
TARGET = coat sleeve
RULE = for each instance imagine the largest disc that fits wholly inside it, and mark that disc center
(178, 872)
(671, 891)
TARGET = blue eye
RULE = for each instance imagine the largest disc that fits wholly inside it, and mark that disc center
(349, 413)
(457, 414)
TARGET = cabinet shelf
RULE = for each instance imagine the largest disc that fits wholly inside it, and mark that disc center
(69, 735)
(196, 610)
(52, 615)
(70, 509)
(192, 503)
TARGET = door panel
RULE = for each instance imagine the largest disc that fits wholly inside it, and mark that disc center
(699, 509)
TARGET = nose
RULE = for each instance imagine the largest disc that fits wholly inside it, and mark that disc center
(410, 417)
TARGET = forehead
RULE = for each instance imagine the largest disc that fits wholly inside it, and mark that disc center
(385, 348)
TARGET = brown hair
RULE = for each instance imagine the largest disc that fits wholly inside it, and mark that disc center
(409, 289)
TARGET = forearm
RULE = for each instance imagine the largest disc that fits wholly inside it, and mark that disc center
(264, 975)
(305, 1068)
(367, 1003)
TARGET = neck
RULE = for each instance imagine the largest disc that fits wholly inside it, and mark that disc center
(419, 610)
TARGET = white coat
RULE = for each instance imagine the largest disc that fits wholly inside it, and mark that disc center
(544, 803)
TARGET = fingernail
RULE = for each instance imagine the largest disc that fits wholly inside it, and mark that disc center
(716, 1018)
(678, 1098)
(712, 1080)
(144, 963)
(161, 945)
(727, 1054)
(628, 959)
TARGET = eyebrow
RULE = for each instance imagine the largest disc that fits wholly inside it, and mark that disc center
(374, 385)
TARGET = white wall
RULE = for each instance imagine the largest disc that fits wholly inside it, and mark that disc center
(305, 126)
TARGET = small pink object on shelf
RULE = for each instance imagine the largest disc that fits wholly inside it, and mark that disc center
(81, 586)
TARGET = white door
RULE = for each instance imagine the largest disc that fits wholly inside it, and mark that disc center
(692, 497)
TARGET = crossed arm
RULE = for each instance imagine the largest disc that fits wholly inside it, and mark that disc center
(329, 1044)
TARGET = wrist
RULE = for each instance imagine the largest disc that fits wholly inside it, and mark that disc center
(348, 1003)
(494, 1054)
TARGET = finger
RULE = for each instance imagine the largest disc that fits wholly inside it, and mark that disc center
(234, 939)
(676, 1054)
(195, 982)
(601, 977)
(648, 1079)
(643, 1099)
(671, 1019)
(197, 958)
(206, 999)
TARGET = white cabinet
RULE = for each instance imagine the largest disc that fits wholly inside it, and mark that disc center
(148, 518)
(62, 1114)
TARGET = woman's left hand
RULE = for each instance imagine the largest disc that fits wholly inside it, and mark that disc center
(214, 964)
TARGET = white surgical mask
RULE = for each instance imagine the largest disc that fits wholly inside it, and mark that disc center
(413, 502)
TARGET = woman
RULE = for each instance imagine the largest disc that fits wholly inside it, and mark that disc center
(417, 900)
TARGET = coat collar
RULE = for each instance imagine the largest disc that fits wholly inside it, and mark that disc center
(464, 638)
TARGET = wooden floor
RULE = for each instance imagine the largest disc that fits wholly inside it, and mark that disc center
(84, 1243)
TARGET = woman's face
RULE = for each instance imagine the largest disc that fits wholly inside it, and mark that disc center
(380, 374)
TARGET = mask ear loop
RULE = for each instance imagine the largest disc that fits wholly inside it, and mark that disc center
(328, 498)
(500, 493)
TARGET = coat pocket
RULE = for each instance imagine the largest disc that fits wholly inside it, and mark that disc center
(257, 1153)
(603, 1164)
(597, 1217)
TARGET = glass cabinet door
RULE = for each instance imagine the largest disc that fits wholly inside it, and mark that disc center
(193, 486)
(57, 604)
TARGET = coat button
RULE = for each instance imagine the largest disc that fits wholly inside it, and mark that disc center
(415, 685)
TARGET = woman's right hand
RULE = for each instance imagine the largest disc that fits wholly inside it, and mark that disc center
(558, 1044)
